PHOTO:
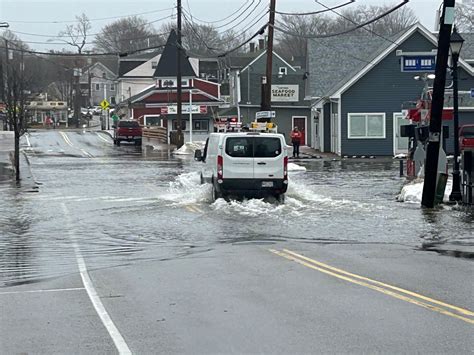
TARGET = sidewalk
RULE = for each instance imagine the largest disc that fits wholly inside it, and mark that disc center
(311, 153)
(6, 146)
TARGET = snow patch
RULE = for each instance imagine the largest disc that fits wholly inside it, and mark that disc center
(189, 148)
(413, 192)
(400, 156)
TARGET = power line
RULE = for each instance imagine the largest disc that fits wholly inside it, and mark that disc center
(346, 31)
(95, 19)
(355, 23)
(225, 18)
(314, 12)
(240, 15)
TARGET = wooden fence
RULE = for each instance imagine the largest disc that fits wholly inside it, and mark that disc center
(158, 133)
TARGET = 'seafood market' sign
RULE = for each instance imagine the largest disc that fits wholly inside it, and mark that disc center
(287, 93)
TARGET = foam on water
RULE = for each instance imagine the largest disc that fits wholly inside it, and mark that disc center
(187, 188)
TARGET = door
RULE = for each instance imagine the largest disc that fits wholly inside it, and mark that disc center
(238, 158)
(300, 122)
(400, 144)
(268, 158)
(316, 142)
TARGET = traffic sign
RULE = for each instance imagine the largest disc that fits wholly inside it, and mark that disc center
(265, 114)
(115, 117)
(104, 104)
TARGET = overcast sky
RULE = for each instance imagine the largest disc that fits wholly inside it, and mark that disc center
(22, 14)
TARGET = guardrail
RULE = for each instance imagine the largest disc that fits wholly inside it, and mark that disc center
(159, 133)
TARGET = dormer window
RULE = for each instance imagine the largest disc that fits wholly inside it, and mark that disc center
(154, 65)
(282, 71)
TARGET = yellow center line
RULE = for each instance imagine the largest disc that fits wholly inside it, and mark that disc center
(414, 294)
(66, 138)
(288, 256)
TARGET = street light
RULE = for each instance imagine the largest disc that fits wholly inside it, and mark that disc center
(456, 45)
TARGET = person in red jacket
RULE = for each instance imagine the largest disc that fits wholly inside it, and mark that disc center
(296, 141)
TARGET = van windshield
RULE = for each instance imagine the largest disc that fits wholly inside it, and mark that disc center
(253, 147)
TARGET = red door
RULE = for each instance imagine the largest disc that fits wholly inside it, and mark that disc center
(300, 122)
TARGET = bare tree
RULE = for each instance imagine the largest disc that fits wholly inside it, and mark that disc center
(15, 97)
(206, 39)
(465, 17)
(76, 34)
(295, 45)
(127, 34)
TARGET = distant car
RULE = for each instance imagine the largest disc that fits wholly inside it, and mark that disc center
(466, 137)
(96, 110)
(127, 131)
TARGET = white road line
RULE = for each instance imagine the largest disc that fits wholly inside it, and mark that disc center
(27, 140)
(114, 333)
(66, 138)
(43, 291)
(100, 136)
(87, 154)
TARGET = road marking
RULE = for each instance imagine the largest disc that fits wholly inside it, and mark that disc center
(376, 285)
(114, 333)
(87, 154)
(194, 208)
(43, 291)
(66, 138)
(100, 136)
(27, 140)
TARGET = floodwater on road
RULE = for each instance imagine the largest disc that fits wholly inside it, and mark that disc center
(120, 205)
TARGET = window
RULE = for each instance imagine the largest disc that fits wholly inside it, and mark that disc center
(267, 147)
(239, 147)
(366, 125)
(154, 65)
(183, 125)
(112, 100)
(129, 124)
(283, 70)
(201, 125)
(253, 147)
(104, 75)
(112, 87)
(97, 87)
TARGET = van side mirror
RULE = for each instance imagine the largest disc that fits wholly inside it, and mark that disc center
(198, 155)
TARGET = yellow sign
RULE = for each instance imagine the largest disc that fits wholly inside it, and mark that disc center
(104, 104)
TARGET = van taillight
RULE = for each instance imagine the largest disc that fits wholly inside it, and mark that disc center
(220, 167)
(285, 170)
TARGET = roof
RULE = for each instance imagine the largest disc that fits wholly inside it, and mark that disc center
(333, 60)
(127, 66)
(167, 66)
(332, 73)
(467, 51)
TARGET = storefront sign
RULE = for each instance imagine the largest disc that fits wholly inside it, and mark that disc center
(173, 109)
(285, 93)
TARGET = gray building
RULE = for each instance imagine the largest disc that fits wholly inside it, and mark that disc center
(287, 92)
(357, 89)
(98, 82)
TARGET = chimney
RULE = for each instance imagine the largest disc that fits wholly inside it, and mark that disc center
(252, 47)
(261, 44)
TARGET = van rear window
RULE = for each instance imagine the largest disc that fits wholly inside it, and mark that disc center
(239, 147)
(253, 147)
(468, 132)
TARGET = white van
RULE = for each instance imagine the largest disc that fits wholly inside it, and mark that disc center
(245, 164)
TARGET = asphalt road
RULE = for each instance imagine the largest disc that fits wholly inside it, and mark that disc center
(121, 250)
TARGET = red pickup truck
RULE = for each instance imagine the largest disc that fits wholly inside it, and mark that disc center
(466, 137)
(128, 131)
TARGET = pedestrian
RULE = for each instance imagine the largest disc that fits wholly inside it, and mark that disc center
(296, 141)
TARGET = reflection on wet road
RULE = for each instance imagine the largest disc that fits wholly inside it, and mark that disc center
(129, 204)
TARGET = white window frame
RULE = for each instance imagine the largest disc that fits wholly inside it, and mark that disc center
(383, 114)
(283, 71)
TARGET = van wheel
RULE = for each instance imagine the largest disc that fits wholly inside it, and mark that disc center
(115, 142)
(118, 143)
(215, 194)
(280, 198)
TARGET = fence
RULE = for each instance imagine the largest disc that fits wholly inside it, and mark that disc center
(158, 133)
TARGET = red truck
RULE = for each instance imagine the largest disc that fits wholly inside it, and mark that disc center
(128, 131)
(466, 137)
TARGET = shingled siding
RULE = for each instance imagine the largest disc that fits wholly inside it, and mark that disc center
(383, 89)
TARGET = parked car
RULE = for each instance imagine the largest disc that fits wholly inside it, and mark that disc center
(96, 110)
(128, 131)
(245, 164)
(466, 137)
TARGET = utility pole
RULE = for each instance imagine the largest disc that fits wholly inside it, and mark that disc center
(77, 104)
(267, 84)
(179, 91)
(434, 140)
